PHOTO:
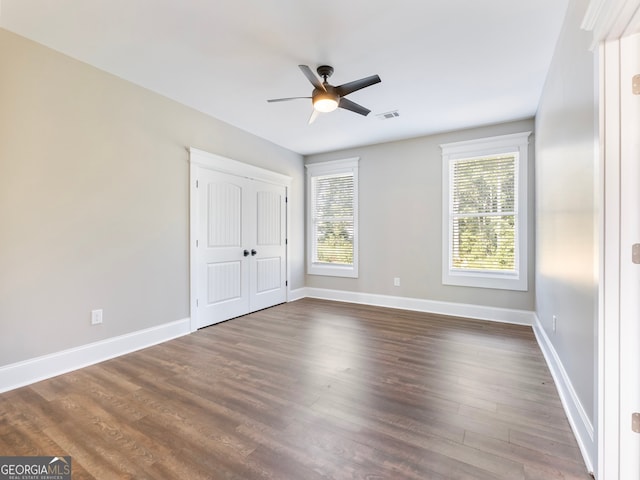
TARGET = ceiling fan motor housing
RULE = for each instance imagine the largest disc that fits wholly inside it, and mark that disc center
(325, 71)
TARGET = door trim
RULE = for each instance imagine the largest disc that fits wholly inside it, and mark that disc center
(199, 159)
(610, 21)
(211, 161)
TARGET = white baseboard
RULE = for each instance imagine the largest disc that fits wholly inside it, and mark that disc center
(40, 368)
(577, 415)
(297, 294)
(479, 312)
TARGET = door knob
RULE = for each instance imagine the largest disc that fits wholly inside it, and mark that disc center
(246, 253)
(253, 252)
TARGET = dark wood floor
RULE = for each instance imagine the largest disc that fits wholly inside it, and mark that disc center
(308, 390)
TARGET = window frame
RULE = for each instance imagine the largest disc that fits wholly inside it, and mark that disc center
(334, 167)
(517, 143)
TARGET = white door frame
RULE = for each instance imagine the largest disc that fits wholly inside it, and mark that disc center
(199, 159)
(610, 21)
(629, 271)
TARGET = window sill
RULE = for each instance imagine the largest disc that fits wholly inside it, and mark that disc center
(329, 270)
(486, 280)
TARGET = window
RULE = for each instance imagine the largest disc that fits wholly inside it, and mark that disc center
(332, 218)
(485, 212)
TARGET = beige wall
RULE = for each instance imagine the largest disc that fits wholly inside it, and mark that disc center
(400, 200)
(94, 201)
(566, 211)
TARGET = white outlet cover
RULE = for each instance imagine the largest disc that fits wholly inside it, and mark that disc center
(96, 317)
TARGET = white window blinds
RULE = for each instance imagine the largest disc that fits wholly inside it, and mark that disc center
(333, 219)
(484, 213)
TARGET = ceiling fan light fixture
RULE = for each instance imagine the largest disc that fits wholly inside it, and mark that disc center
(327, 98)
(325, 102)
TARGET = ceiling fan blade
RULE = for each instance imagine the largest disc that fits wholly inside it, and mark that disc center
(314, 115)
(347, 88)
(312, 78)
(285, 99)
(354, 107)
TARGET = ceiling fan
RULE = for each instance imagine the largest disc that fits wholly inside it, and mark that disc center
(326, 98)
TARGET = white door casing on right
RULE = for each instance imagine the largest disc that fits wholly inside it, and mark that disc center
(629, 270)
(615, 25)
(619, 324)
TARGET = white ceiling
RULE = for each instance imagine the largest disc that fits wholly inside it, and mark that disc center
(445, 64)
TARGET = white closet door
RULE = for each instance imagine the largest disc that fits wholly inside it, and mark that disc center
(223, 266)
(267, 279)
(241, 259)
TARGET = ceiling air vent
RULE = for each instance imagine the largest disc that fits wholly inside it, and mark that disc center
(388, 115)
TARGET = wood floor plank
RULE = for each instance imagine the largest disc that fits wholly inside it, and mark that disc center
(308, 390)
(539, 460)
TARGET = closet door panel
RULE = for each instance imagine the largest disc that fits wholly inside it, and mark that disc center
(223, 267)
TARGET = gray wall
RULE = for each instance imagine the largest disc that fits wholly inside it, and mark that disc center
(400, 200)
(94, 201)
(566, 210)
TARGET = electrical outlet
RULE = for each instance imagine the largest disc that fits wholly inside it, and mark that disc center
(96, 317)
(555, 322)
(396, 282)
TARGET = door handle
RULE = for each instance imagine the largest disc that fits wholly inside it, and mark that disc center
(245, 253)
(253, 252)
